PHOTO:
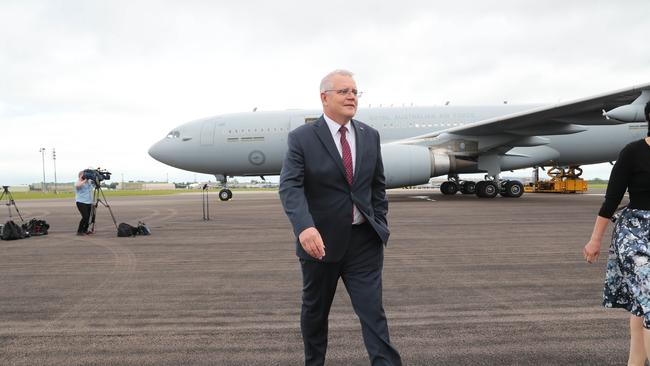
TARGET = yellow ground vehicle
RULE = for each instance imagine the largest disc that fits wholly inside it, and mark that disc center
(562, 181)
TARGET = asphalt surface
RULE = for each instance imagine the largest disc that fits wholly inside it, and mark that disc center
(467, 281)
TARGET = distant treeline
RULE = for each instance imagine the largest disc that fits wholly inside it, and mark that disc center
(597, 181)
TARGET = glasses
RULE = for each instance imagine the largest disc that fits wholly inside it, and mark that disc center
(346, 91)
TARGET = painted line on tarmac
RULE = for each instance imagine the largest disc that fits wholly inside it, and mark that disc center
(426, 198)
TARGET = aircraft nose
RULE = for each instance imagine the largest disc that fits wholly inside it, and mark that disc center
(158, 152)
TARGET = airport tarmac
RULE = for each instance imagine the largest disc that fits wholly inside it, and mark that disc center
(467, 281)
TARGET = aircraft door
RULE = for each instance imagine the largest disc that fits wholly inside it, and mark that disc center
(298, 120)
(207, 133)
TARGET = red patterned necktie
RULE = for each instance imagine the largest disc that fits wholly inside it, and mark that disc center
(347, 155)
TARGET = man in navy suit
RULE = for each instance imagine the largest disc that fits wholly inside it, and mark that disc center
(333, 190)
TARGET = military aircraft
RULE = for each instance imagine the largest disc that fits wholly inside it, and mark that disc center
(423, 142)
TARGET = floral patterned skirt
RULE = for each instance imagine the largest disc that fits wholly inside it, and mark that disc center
(627, 283)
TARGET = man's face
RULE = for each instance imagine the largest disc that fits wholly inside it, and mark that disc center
(340, 108)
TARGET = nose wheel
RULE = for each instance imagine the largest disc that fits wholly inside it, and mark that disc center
(225, 194)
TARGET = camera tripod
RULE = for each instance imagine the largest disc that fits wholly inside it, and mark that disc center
(93, 210)
(205, 202)
(10, 202)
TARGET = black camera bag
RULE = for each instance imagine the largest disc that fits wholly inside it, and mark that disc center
(125, 230)
(36, 227)
(143, 229)
(11, 231)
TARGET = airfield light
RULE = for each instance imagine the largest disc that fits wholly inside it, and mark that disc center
(54, 160)
(42, 151)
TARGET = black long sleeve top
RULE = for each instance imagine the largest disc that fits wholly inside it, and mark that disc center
(631, 172)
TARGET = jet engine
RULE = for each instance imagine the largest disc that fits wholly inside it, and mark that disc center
(627, 113)
(409, 165)
(632, 112)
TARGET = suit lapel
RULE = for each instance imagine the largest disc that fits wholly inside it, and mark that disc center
(325, 136)
(360, 141)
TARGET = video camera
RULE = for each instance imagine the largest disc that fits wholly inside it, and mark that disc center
(97, 175)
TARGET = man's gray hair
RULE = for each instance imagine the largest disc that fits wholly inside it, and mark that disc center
(327, 84)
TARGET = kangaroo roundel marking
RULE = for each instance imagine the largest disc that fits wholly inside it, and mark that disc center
(256, 157)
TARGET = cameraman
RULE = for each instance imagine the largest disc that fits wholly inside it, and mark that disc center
(84, 197)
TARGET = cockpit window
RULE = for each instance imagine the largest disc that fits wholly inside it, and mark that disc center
(173, 134)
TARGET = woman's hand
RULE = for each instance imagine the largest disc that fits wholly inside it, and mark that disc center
(591, 250)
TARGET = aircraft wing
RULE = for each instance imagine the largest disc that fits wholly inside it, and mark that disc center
(525, 128)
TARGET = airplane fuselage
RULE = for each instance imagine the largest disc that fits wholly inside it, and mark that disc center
(254, 143)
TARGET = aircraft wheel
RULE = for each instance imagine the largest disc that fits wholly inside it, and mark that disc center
(480, 187)
(503, 191)
(513, 188)
(486, 189)
(449, 188)
(225, 194)
(468, 187)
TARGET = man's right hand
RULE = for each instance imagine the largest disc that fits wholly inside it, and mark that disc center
(312, 243)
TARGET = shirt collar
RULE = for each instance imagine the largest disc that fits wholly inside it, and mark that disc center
(334, 127)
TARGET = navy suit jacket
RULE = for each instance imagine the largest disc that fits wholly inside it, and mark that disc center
(315, 193)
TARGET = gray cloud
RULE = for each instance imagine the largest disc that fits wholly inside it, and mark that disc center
(146, 66)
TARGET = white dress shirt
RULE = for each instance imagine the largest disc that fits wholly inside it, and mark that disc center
(350, 136)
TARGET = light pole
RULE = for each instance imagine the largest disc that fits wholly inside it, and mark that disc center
(54, 160)
(42, 151)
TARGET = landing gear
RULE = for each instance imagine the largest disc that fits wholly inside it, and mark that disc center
(225, 194)
(486, 189)
(491, 186)
(467, 187)
(449, 187)
(512, 188)
(454, 184)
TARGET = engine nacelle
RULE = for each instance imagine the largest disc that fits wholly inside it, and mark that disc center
(627, 113)
(632, 112)
(409, 165)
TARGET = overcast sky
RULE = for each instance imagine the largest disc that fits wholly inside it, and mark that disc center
(101, 81)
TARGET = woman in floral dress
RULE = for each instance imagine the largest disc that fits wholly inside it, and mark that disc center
(627, 282)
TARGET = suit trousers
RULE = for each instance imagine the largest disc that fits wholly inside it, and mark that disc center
(361, 271)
